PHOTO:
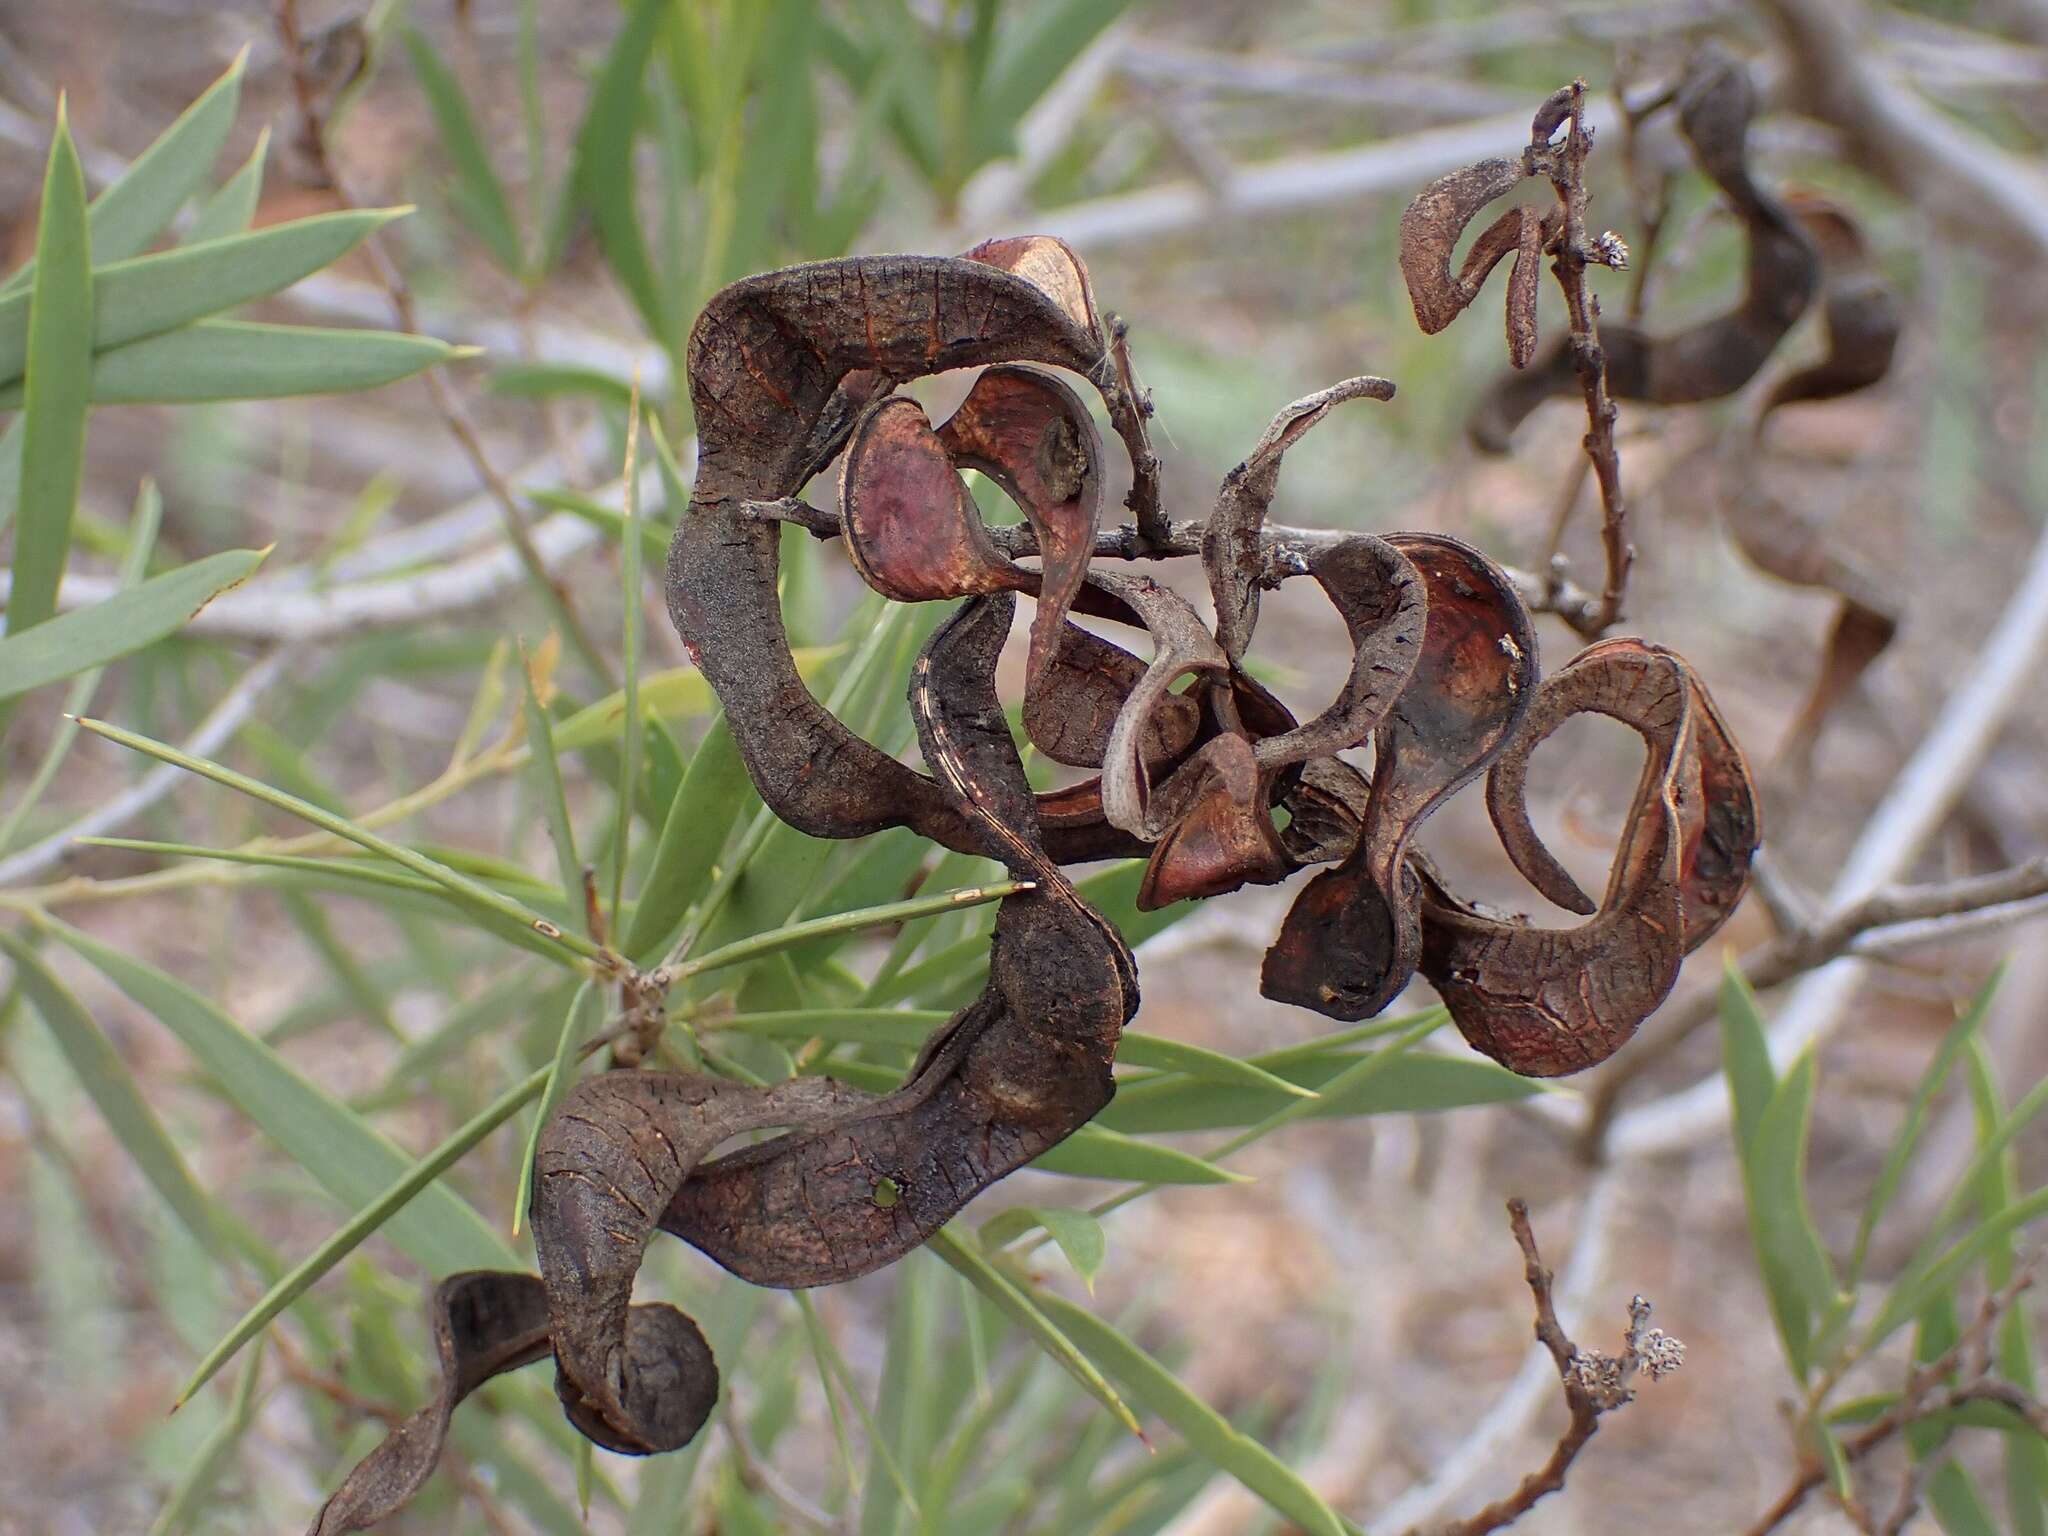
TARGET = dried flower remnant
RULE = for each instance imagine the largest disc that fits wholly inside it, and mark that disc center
(1192, 762)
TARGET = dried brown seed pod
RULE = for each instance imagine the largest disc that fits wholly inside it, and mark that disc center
(1352, 938)
(788, 369)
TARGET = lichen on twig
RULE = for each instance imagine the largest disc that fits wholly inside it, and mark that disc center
(1594, 1383)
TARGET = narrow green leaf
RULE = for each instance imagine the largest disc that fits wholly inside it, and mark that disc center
(1834, 1462)
(232, 208)
(772, 868)
(480, 195)
(1957, 1505)
(1078, 1234)
(1032, 52)
(374, 1216)
(878, 869)
(1226, 1448)
(679, 693)
(240, 360)
(755, 945)
(585, 1014)
(59, 357)
(121, 625)
(541, 381)
(1203, 1065)
(1096, 1152)
(1342, 1088)
(194, 1489)
(1413, 1083)
(908, 1027)
(1745, 1055)
(148, 296)
(1024, 1309)
(700, 818)
(111, 1087)
(2026, 1456)
(545, 770)
(1921, 1276)
(1959, 1035)
(352, 1160)
(473, 893)
(140, 204)
(387, 887)
(142, 531)
(1797, 1274)
(631, 721)
(135, 209)
(601, 171)
(10, 470)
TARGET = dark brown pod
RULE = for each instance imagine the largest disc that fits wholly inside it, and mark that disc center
(1351, 940)
(1032, 435)
(1431, 227)
(780, 368)
(1545, 1002)
(911, 528)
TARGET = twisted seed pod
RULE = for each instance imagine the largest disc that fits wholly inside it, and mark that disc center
(1352, 938)
(1546, 1001)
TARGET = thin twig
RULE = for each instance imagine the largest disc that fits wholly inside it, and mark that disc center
(1918, 1399)
(1572, 251)
(1285, 551)
(313, 140)
(1643, 258)
(1594, 1384)
(1496, 1430)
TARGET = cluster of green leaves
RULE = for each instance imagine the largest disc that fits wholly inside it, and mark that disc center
(727, 97)
(1831, 1317)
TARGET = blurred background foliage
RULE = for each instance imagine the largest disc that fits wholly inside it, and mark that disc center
(371, 383)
